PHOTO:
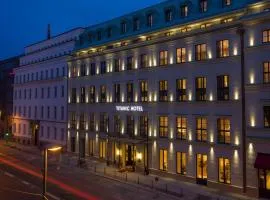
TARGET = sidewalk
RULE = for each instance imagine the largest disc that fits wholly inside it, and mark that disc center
(170, 186)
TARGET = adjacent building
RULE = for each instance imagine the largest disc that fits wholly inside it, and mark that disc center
(40, 90)
(180, 88)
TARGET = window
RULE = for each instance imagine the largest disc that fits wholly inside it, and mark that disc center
(55, 91)
(129, 92)
(62, 113)
(149, 20)
(36, 93)
(223, 90)
(266, 72)
(143, 91)
(102, 149)
(72, 120)
(163, 91)
(55, 112)
(181, 127)
(163, 58)
(264, 179)
(130, 125)
(93, 69)
(224, 170)
(223, 48)
(48, 112)
(201, 89)
(82, 94)
(29, 111)
(117, 65)
(103, 94)
(136, 24)
(143, 61)
(103, 67)
(109, 32)
(99, 35)
(143, 126)
(63, 71)
(48, 92)
(200, 52)
(104, 123)
(73, 95)
(201, 129)
(92, 94)
(224, 130)
(266, 36)
(181, 163)
(83, 69)
(117, 93)
(227, 2)
(82, 122)
(55, 133)
(117, 124)
(123, 27)
(62, 91)
(130, 63)
(203, 5)
(163, 159)
(181, 89)
(184, 11)
(57, 72)
(266, 110)
(163, 126)
(201, 166)
(74, 71)
(168, 15)
(92, 122)
(180, 55)
(42, 112)
(35, 112)
(73, 144)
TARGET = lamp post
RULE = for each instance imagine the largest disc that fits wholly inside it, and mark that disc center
(46, 148)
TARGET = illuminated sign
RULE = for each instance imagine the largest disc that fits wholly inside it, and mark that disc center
(129, 108)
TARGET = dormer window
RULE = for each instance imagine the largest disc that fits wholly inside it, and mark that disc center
(149, 20)
(136, 24)
(168, 15)
(99, 35)
(227, 3)
(109, 32)
(123, 27)
(203, 5)
(184, 11)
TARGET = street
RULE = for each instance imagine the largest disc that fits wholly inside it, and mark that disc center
(24, 169)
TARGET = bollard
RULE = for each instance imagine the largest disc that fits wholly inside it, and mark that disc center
(126, 177)
(138, 180)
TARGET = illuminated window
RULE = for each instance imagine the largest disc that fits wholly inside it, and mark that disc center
(130, 63)
(117, 93)
(224, 130)
(72, 120)
(143, 60)
(224, 170)
(82, 122)
(184, 11)
(181, 163)
(136, 24)
(200, 89)
(103, 67)
(181, 127)
(130, 125)
(163, 126)
(180, 55)
(201, 166)
(266, 72)
(227, 20)
(123, 27)
(103, 94)
(143, 91)
(163, 159)
(117, 124)
(163, 91)
(201, 129)
(73, 71)
(223, 48)
(143, 126)
(203, 5)
(223, 89)
(149, 20)
(181, 89)
(200, 52)
(83, 69)
(205, 25)
(266, 36)
(73, 95)
(168, 15)
(93, 69)
(92, 94)
(163, 58)
(266, 110)
(102, 149)
(129, 92)
(227, 2)
(104, 123)
(82, 95)
(264, 179)
(117, 65)
(92, 121)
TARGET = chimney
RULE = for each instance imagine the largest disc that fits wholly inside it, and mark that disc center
(49, 32)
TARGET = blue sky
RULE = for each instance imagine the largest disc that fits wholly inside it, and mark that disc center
(24, 22)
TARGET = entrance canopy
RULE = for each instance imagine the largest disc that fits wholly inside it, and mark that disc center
(262, 161)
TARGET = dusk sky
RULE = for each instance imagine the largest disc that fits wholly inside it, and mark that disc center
(24, 22)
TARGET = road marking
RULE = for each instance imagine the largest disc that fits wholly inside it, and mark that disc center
(52, 196)
(8, 174)
(25, 182)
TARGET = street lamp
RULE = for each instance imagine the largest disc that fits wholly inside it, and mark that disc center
(45, 148)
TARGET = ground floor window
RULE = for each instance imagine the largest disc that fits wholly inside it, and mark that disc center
(130, 155)
(163, 159)
(102, 149)
(201, 166)
(73, 144)
(224, 170)
(91, 147)
(264, 179)
(181, 163)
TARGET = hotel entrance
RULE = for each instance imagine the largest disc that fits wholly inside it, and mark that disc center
(130, 155)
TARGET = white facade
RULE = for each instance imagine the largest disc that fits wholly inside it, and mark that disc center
(40, 90)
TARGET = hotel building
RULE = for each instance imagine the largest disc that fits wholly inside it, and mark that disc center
(180, 88)
(40, 90)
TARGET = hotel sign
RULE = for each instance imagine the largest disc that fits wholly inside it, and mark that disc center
(129, 108)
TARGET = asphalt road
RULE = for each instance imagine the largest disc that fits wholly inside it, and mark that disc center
(66, 183)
